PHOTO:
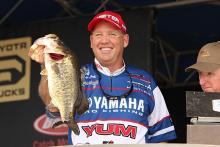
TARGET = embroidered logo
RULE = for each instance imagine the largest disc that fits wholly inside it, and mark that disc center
(204, 53)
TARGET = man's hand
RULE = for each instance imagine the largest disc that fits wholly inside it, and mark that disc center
(36, 53)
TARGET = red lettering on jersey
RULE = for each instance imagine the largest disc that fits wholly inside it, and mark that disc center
(89, 130)
(101, 131)
(112, 129)
(129, 131)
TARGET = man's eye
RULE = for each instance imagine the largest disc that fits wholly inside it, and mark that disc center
(113, 34)
(97, 35)
(209, 73)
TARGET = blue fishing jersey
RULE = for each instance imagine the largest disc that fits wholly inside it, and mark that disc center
(136, 114)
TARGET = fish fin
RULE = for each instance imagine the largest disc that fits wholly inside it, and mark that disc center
(44, 72)
(82, 105)
(57, 124)
(73, 126)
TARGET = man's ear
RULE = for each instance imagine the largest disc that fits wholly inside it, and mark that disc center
(126, 40)
(90, 37)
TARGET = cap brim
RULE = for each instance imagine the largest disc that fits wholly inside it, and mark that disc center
(203, 66)
(93, 23)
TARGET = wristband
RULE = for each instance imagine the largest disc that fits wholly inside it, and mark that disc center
(50, 105)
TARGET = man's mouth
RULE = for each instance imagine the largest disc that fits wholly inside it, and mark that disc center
(106, 50)
(207, 89)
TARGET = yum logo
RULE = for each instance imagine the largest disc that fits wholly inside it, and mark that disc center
(112, 129)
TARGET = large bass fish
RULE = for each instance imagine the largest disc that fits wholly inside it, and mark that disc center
(64, 82)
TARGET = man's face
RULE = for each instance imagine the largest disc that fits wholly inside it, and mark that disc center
(210, 81)
(108, 44)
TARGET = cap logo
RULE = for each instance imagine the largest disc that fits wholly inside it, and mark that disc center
(204, 53)
(115, 19)
(111, 17)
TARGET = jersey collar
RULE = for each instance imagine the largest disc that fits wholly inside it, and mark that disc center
(106, 71)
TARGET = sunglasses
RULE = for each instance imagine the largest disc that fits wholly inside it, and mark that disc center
(115, 87)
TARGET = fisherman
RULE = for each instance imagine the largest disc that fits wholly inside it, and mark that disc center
(208, 67)
(125, 104)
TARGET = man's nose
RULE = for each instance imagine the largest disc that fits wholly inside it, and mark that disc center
(202, 79)
(105, 39)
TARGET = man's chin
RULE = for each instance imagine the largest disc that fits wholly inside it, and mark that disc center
(208, 90)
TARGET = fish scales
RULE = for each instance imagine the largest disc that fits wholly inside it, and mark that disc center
(61, 80)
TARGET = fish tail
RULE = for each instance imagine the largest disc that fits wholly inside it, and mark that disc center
(57, 124)
(73, 126)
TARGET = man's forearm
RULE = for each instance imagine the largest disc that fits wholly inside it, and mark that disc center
(43, 89)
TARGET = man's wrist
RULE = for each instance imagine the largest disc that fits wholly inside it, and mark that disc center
(51, 107)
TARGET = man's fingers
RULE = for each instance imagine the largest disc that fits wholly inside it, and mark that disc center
(40, 47)
(32, 49)
(36, 53)
(34, 46)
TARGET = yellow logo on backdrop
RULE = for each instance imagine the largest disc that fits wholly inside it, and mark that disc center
(15, 69)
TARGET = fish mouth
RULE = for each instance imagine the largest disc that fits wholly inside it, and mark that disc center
(56, 57)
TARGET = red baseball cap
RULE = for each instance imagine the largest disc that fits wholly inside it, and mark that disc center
(109, 16)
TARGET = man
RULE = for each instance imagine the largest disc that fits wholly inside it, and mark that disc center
(126, 105)
(208, 67)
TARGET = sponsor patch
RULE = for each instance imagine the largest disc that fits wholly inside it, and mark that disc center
(44, 125)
